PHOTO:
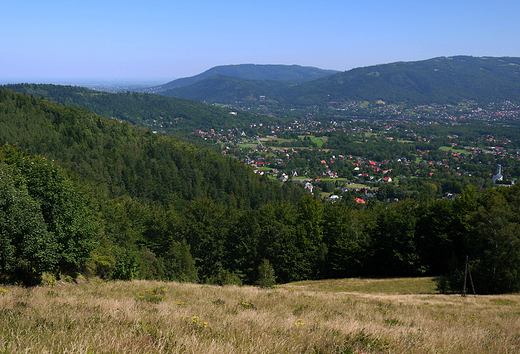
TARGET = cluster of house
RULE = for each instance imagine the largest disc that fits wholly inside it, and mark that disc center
(369, 171)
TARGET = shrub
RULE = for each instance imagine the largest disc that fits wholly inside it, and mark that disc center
(48, 279)
(225, 277)
(443, 284)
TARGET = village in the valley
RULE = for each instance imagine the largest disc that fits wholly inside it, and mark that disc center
(356, 149)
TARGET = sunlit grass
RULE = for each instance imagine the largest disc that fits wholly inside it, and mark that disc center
(336, 316)
(247, 145)
(319, 142)
(356, 185)
(394, 286)
(458, 151)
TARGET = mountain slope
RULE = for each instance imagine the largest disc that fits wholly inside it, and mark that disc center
(226, 89)
(150, 201)
(122, 160)
(156, 112)
(285, 73)
(438, 80)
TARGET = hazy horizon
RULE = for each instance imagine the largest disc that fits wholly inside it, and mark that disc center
(87, 81)
(172, 39)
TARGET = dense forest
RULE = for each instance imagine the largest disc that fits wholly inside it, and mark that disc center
(157, 112)
(85, 194)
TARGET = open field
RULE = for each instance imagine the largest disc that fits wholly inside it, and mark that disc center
(355, 185)
(457, 151)
(319, 141)
(336, 316)
(247, 145)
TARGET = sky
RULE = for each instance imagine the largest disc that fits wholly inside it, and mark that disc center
(70, 41)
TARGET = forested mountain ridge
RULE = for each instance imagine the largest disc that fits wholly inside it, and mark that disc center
(156, 112)
(126, 160)
(286, 73)
(438, 80)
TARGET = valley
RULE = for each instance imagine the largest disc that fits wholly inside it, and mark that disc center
(259, 177)
(180, 190)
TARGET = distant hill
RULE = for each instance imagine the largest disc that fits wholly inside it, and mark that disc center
(284, 73)
(440, 80)
(227, 89)
(437, 80)
(153, 111)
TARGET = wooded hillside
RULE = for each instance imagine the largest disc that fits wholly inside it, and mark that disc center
(83, 193)
(153, 111)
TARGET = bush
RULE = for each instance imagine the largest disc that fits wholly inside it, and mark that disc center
(48, 279)
(443, 285)
(45, 221)
(225, 277)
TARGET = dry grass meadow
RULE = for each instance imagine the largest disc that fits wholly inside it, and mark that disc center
(337, 316)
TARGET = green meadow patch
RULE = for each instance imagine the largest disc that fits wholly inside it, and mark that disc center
(357, 186)
(457, 151)
(318, 142)
(247, 145)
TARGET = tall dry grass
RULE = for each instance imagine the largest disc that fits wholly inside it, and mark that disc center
(154, 317)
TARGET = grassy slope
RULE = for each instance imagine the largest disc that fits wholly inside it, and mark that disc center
(127, 317)
(400, 286)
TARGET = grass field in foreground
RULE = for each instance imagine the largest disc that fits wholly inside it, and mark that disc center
(337, 316)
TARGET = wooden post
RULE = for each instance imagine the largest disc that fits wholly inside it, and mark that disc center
(471, 280)
(466, 271)
(465, 277)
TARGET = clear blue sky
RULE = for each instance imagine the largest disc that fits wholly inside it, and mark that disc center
(168, 39)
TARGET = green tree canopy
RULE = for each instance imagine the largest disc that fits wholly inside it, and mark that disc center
(48, 225)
